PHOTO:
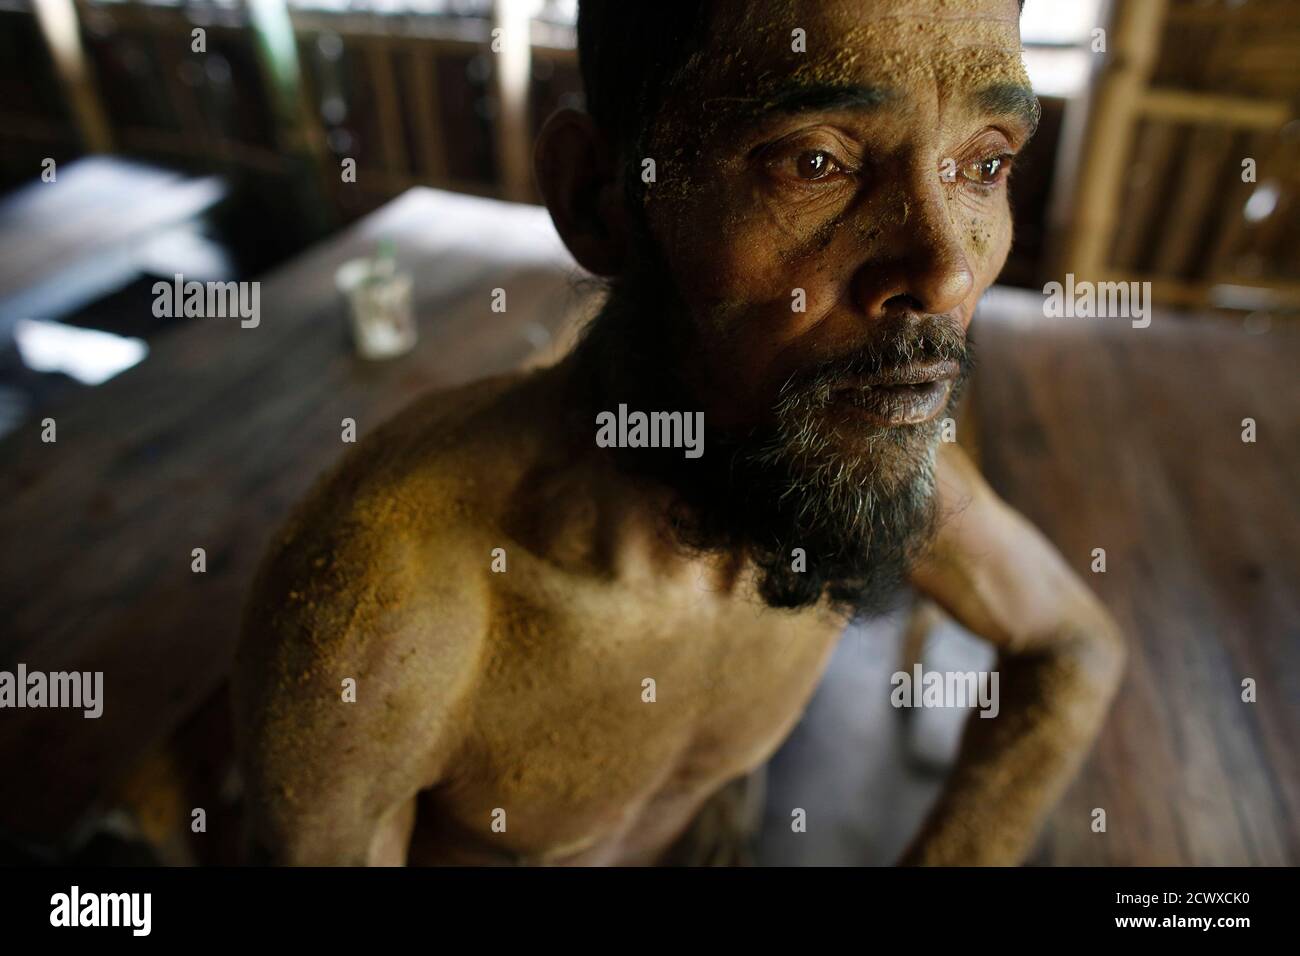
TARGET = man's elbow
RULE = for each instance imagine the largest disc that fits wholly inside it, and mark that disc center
(1097, 652)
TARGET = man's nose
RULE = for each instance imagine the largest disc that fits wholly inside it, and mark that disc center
(920, 262)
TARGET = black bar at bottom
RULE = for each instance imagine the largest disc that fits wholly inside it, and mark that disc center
(304, 906)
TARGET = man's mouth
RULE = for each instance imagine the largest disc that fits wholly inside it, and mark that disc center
(907, 395)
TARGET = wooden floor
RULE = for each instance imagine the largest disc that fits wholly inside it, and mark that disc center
(1129, 440)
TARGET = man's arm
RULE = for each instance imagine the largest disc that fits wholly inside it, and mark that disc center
(328, 779)
(1060, 658)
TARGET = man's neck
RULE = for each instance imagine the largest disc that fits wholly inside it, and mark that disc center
(579, 508)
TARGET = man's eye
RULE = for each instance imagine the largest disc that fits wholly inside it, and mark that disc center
(814, 164)
(987, 172)
(807, 166)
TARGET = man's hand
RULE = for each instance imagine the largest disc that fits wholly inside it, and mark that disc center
(1060, 660)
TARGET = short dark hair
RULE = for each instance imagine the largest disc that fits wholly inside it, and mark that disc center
(628, 51)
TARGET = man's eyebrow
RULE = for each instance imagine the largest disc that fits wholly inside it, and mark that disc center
(1003, 99)
(812, 97)
(1010, 99)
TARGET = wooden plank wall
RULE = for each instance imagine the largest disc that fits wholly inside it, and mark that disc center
(1189, 91)
(415, 101)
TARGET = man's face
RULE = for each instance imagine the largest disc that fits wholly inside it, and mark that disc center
(827, 209)
(836, 209)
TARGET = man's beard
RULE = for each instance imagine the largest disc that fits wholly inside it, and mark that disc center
(857, 501)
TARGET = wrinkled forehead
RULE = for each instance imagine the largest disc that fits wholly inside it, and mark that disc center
(899, 48)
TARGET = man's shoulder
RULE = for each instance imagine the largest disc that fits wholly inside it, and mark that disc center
(438, 466)
(400, 523)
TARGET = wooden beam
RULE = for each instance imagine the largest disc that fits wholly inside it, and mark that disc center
(58, 23)
(1189, 107)
(428, 121)
(389, 113)
(296, 130)
(512, 66)
(1134, 36)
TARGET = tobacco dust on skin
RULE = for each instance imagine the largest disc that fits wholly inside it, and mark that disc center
(346, 576)
(890, 50)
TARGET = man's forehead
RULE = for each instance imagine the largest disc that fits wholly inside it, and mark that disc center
(887, 45)
(957, 19)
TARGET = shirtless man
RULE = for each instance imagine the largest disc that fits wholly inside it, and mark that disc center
(800, 262)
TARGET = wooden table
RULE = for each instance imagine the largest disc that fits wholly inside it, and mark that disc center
(207, 443)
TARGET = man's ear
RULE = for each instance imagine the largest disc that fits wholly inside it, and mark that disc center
(577, 172)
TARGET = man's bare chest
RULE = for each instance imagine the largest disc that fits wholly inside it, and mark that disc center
(612, 701)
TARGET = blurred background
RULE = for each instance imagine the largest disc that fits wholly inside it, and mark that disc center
(139, 140)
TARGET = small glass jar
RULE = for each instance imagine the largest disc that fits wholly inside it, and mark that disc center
(379, 306)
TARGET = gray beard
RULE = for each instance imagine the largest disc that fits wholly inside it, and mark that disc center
(860, 507)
